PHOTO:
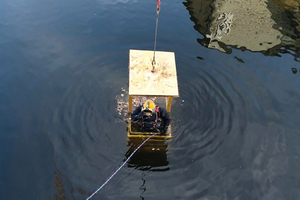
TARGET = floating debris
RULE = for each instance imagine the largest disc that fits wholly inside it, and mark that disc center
(239, 59)
(294, 70)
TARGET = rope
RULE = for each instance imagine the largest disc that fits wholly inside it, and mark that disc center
(156, 25)
(120, 167)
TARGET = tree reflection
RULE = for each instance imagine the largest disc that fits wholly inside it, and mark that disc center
(270, 27)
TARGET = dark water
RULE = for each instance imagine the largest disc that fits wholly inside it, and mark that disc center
(236, 130)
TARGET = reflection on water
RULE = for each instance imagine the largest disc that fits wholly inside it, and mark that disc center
(152, 156)
(270, 27)
(58, 182)
(235, 130)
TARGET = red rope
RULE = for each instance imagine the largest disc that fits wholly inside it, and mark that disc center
(158, 5)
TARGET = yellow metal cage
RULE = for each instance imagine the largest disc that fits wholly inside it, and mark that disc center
(143, 82)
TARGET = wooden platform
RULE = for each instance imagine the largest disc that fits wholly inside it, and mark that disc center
(161, 82)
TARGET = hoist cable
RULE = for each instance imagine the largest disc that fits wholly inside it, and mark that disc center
(155, 38)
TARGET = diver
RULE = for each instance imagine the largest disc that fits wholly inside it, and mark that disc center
(151, 117)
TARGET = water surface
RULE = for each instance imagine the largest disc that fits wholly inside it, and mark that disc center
(64, 69)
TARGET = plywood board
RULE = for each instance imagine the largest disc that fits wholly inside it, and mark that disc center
(161, 82)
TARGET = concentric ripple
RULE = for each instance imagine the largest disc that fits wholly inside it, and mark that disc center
(82, 119)
(210, 114)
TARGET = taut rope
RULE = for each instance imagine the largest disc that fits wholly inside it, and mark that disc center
(120, 166)
(157, 15)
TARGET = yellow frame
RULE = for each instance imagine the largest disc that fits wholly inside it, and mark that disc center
(147, 134)
(144, 82)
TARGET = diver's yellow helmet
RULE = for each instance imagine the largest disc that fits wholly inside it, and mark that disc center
(149, 105)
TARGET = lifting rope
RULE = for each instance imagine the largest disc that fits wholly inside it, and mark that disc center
(153, 65)
(157, 15)
(120, 166)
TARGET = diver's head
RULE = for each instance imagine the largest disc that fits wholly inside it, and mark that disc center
(149, 106)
